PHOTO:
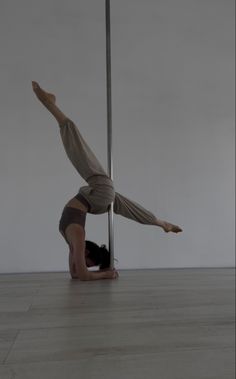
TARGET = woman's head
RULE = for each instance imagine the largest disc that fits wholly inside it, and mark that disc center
(97, 256)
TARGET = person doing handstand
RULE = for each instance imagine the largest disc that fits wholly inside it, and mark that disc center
(95, 198)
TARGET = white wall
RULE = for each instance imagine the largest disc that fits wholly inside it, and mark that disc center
(173, 120)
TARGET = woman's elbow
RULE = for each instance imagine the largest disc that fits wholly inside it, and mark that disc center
(74, 277)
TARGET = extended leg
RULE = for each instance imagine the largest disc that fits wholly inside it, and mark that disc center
(77, 150)
(134, 211)
(49, 101)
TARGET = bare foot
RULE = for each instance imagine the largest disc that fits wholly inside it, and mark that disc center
(171, 228)
(42, 95)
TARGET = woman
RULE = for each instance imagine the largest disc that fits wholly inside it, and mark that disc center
(94, 198)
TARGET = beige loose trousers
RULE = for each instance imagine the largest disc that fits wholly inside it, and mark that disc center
(100, 192)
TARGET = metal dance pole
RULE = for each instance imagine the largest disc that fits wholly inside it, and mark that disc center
(109, 128)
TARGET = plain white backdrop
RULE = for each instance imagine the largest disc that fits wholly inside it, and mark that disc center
(173, 127)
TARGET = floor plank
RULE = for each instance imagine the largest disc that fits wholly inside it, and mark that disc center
(197, 364)
(7, 338)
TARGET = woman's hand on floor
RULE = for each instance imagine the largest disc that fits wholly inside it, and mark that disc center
(111, 274)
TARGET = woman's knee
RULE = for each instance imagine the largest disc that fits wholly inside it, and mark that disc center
(104, 199)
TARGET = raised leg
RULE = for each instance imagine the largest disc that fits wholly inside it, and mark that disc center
(49, 101)
(134, 211)
(77, 150)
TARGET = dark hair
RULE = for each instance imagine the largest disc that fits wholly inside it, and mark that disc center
(99, 255)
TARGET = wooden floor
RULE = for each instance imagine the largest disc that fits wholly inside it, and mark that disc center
(149, 324)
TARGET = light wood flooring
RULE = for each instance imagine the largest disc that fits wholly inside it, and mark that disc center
(148, 324)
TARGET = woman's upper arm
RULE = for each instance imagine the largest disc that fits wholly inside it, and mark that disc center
(76, 237)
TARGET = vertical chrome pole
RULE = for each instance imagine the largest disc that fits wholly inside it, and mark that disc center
(109, 128)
